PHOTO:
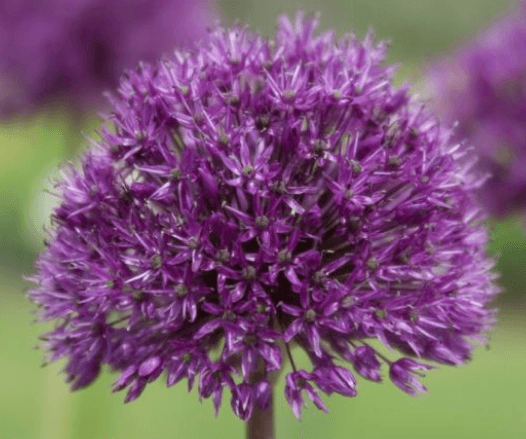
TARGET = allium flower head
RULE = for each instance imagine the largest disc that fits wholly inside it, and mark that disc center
(74, 49)
(483, 87)
(256, 195)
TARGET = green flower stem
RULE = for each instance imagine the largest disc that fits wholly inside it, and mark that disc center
(261, 424)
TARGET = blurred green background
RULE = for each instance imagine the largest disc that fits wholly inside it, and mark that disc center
(485, 399)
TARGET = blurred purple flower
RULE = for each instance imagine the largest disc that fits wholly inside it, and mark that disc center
(254, 195)
(483, 87)
(72, 50)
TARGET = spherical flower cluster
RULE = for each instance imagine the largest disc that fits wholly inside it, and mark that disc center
(72, 50)
(483, 87)
(256, 195)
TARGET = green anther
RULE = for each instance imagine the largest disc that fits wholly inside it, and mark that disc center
(347, 301)
(329, 130)
(181, 290)
(262, 221)
(429, 248)
(319, 277)
(279, 187)
(261, 308)
(229, 315)
(223, 255)
(304, 124)
(289, 95)
(234, 101)
(247, 170)
(223, 139)
(381, 314)
(319, 146)
(258, 85)
(372, 263)
(138, 295)
(199, 118)
(192, 243)
(309, 316)
(394, 161)
(155, 261)
(284, 255)
(249, 272)
(262, 122)
(356, 167)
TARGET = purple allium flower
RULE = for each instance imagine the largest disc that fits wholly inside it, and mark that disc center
(255, 195)
(483, 87)
(402, 374)
(74, 49)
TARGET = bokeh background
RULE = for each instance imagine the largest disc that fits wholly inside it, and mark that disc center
(485, 399)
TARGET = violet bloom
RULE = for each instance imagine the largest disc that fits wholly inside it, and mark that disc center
(255, 195)
(483, 87)
(72, 50)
